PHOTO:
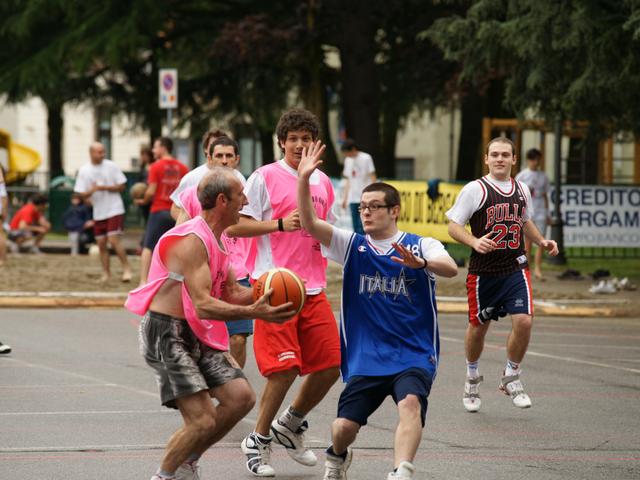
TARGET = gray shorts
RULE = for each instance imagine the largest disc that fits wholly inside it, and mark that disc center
(183, 365)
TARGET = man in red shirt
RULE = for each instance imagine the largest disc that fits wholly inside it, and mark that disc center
(29, 223)
(164, 176)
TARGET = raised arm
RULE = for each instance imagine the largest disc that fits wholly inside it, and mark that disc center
(319, 229)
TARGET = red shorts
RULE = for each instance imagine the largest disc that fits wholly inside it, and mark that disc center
(308, 342)
(108, 226)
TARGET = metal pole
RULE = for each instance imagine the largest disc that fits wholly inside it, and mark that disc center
(169, 122)
(556, 222)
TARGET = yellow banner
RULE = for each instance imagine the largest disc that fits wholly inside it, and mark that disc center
(423, 216)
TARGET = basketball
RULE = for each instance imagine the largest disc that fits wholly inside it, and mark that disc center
(286, 285)
(137, 190)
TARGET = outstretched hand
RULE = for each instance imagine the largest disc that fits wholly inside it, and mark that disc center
(407, 258)
(264, 311)
(311, 159)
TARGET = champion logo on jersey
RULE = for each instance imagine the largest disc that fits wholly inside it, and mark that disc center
(362, 248)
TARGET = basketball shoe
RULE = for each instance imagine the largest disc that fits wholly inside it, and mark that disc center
(512, 387)
(471, 398)
(258, 452)
(404, 471)
(188, 471)
(294, 442)
(335, 467)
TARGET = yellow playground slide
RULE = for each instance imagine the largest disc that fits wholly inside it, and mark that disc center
(22, 160)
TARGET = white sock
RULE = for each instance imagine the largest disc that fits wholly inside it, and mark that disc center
(292, 419)
(512, 368)
(472, 369)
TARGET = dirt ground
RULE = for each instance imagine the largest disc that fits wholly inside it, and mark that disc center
(64, 273)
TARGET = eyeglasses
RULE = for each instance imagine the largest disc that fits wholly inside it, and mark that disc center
(373, 207)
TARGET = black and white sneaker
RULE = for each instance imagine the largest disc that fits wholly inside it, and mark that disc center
(294, 442)
(4, 348)
(258, 452)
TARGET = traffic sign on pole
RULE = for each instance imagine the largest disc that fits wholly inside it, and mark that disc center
(168, 88)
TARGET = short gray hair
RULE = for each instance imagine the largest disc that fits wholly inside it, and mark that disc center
(217, 181)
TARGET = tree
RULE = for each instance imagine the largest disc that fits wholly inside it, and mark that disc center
(36, 65)
(576, 60)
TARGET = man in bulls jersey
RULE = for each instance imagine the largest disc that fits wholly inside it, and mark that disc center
(499, 283)
(388, 324)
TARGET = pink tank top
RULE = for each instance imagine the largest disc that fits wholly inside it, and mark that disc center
(241, 250)
(298, 250)
(209, 331)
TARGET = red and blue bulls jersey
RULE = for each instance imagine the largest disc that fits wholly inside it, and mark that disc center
(501, 214)
(388, 314)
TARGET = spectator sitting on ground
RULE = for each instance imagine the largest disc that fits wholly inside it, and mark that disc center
(77, 220)
(29, 223)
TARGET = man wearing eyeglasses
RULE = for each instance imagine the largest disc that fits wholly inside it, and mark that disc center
(388, 328)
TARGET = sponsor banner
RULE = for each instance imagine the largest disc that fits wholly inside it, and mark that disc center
(423, 216)
(599, 216)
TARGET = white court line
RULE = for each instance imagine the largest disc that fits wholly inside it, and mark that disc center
(84, 412)
(539, 333)
(72, 385)
(248, 420)
(577, 345)
(117, 448)
(555, 357)
(80, 375)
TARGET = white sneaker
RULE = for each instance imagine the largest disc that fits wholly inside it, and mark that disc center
(258, 454)
(335, 468)
(4, 348)
(512, 386)
(158, 477)
(603, 286)
(188, 471)
(35, 249)
(471, 398)
(404, 471)
(294, 442)
(13, 247)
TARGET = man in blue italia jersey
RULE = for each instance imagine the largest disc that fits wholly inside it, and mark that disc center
(388, 325)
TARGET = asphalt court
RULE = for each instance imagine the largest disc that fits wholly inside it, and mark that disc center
(78, 402)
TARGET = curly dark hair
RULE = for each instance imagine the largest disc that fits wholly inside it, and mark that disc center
(297, 119)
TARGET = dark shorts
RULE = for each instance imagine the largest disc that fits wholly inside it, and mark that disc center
(492, 297)
(108, 226)
(158, 224)
(363, 395)
(182, 364)
(241, 327)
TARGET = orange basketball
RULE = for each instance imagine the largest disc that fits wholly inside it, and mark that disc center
(287, 287)
(137, 190)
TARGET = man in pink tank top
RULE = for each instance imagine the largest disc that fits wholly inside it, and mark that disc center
(308, 344)
(189, 282)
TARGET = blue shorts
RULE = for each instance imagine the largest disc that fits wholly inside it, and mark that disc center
(241, 327)
(363, 395)
(492, 297)
(158, 223)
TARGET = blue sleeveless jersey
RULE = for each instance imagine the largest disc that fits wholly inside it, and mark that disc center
(388, 319)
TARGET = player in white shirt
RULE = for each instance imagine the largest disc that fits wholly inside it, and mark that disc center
(358, 172)
(538, 184)
(102, 181)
